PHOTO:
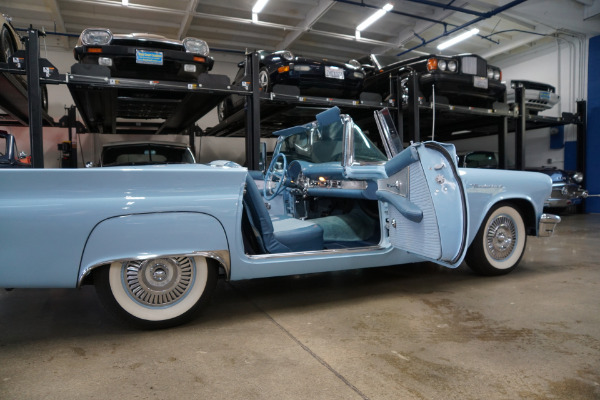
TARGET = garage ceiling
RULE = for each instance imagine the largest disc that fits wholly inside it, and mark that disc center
(323, 28)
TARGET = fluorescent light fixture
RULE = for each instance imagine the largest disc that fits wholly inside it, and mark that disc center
(258, 7)
(457, 39)
(125, 2)
(376, 15)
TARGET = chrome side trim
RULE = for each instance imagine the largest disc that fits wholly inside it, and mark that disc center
(547, 224)
(316, 252)
(221, 256)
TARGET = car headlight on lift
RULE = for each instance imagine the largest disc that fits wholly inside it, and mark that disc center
(355, 64)
(196, 46)
(578, 177)
(96, 37)
(452, 66)
(287, 55)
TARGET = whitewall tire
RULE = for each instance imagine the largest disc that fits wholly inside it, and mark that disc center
(500, 242)
(156, 293)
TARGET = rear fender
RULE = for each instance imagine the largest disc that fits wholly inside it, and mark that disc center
(143, 236)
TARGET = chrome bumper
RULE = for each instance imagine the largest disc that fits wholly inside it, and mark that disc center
(547, 224)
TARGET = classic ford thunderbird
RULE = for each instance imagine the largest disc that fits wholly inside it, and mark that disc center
(155, 239)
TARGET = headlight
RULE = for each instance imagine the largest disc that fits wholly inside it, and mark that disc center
(578, 177)
(195, 46)
(452, 66)
(287, 55)
(442, 65)
(96, 37)
(355, 64)
(497, 74)
(490, 73)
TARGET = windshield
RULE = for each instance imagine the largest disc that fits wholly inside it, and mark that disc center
(146, 154)
(321, 145)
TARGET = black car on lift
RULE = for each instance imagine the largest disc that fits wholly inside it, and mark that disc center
(144, 55)
(462, 80)
(312, 77)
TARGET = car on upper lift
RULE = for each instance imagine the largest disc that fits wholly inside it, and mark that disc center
(10, 42)
(144, 55)
(538, 96)
(462, 80)
(145, 153)
(312, 77)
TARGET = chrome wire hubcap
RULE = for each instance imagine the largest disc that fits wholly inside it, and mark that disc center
(501, 237)
(159, 281)
(263, 79)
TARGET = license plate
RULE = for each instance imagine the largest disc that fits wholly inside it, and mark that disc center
(544, 95)
(149, 57)
(334, 72)
(480, 82)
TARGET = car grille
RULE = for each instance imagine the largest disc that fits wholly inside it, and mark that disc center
(473, 66)
(147, 44)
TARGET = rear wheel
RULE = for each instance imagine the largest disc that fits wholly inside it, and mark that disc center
(156, 293)
(500, 242)
(44, 97)
(264, 80)
(221, 112)
(7, 47)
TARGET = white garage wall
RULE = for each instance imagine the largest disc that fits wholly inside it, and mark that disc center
(541, 64)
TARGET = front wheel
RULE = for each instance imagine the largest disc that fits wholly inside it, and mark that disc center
(500, 242)
(156, 293)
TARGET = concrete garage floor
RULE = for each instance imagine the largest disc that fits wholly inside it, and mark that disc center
(407, 332)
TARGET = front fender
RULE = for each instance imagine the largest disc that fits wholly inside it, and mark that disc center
(487, 187)
(142, 236)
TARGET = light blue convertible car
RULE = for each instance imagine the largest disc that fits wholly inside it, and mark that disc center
(155, 239)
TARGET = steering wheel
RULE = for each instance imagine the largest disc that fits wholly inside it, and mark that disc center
(271, 175)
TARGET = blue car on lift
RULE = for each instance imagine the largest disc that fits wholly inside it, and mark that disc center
(154, 239)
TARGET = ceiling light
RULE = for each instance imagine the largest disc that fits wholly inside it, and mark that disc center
(376, 15)
(457, 39)
(125, 2)
(258, 7)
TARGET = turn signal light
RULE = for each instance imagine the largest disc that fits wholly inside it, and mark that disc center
(432, 64)
(94, 50)
(283, 69)
(200, 59)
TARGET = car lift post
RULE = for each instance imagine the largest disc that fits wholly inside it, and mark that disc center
(34, 93)
(520, 129)
(253, 115)
(414, 127)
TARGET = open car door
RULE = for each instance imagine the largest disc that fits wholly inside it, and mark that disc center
(426, 203)
(424, 196)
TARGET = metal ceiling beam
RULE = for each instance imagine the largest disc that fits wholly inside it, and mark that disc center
(486, 15)
(421, 26)
(187, 20)
(507, 15)
(56, 15)
(448, 7)
(311, 18)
